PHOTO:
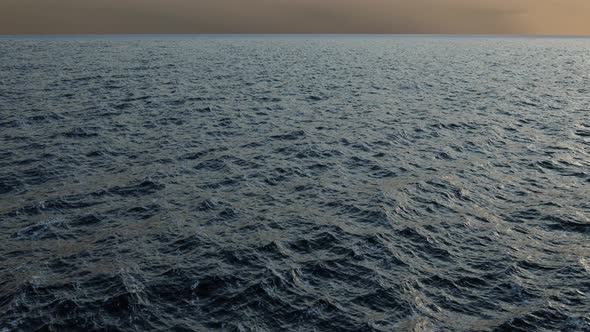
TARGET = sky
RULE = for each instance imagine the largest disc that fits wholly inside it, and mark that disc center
(537, 17)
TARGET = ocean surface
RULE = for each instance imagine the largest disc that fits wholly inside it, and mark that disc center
(294, 183)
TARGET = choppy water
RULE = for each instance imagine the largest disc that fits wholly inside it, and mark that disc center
(295, 183)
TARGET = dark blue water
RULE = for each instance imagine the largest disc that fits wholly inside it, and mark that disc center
(294, 183)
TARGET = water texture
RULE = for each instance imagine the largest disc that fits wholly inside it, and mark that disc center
(258, 183)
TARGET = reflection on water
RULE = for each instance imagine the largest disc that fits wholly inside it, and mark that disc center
(301, 183)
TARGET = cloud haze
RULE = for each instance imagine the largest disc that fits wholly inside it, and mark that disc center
(553, 17)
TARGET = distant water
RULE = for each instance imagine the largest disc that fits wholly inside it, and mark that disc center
(294, 183)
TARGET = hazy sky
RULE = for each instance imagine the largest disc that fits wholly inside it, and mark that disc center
(552, 17)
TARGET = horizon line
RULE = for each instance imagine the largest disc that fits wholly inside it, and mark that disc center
(295, 34)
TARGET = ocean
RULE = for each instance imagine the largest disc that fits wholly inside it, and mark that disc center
(294, 183)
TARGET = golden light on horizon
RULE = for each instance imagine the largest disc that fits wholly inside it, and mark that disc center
(547, 17)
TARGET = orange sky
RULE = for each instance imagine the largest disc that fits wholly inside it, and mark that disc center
(548, 17)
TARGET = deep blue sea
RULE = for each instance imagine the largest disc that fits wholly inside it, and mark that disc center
(294, 183)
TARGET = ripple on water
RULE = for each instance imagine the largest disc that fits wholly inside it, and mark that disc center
(174, 183)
